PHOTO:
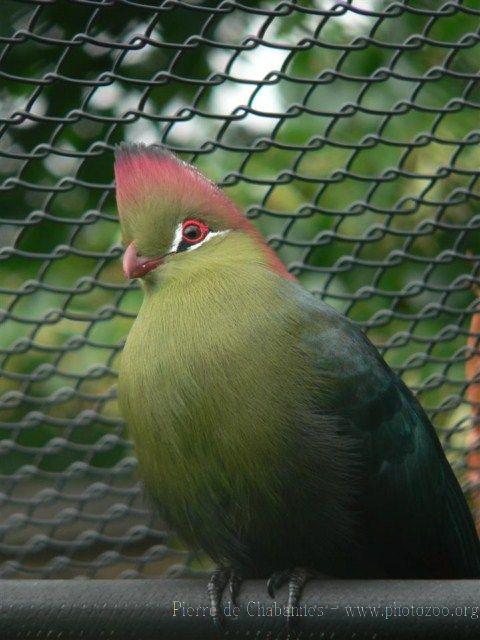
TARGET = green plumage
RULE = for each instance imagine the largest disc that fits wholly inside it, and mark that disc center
(213, 374)
(269, 431)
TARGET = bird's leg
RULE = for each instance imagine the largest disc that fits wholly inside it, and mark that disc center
(296, 579)
(215, 588)
(216, 585)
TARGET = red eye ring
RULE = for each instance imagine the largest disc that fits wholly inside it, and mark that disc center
(194, 231)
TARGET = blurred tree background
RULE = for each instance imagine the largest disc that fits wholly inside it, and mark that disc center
(348, 130)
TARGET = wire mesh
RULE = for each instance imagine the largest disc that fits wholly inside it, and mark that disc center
(347, 130)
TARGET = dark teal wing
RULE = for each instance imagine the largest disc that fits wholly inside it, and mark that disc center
(416, 519)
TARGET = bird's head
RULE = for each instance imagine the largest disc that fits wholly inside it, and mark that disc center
(169, 212)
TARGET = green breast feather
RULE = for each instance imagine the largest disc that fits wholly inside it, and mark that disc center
(209, 366)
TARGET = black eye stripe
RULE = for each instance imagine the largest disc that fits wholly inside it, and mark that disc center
(183, 246)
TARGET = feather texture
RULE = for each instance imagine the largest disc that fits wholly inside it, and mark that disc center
(212, 397)
(269, 431)
(256, 409)
(415, 521)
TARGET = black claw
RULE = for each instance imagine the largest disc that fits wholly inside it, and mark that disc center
(270, 588)
(234, 586)
(275, 581)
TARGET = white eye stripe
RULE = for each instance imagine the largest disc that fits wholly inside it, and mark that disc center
(177, 239)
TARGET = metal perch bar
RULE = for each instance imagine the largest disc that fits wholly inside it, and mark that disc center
(178, 608)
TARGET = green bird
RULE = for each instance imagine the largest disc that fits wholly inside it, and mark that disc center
(269, 431)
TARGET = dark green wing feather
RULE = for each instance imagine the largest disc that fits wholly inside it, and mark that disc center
(415, 517)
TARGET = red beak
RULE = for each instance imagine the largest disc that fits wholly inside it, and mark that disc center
(135, 266)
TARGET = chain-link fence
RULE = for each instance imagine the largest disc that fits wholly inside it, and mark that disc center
(348, 130)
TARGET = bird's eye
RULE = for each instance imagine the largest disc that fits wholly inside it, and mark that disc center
(194, 231)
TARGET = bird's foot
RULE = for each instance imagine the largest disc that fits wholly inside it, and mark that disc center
(220, 578)
(296, 579)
